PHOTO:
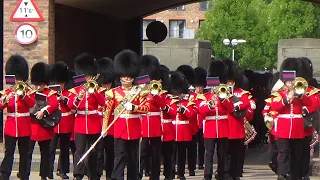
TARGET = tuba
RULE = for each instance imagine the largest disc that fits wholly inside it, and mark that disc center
(250, 132)
(300, 86)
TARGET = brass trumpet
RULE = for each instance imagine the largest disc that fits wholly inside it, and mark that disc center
(20, 88)
(91, 85)
(155, 87)
(222, 91)
(300, 86)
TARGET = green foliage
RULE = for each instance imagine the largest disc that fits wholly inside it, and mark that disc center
(262, 24)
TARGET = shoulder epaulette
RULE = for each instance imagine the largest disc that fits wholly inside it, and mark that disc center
(250, 96)
(173, 101)
(73, 91)
(109, 93)
(190, 103)
(313, 91)
(244, 92)
(31, 92)
(277, 99)
(101, 89)
(162, 92)
(52, 92)
(201, 97)
(268, 100)
(275, 94)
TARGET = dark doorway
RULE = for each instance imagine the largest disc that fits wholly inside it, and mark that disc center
(1, 74)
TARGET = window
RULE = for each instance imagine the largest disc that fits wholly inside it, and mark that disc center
(201, 22)
(177, 28)
(205, 5)
(178, 8)
(144, 27)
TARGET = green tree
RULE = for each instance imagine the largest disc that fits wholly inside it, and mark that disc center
(261, 24)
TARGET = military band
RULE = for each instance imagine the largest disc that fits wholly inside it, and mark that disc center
(177, 116)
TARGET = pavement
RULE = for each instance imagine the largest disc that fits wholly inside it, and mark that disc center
(256, 166)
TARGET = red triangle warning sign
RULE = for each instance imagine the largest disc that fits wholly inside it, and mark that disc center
(26, 10)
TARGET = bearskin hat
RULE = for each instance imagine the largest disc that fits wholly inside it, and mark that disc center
(149, 65)
(164, 66)
(18, 66)
(70, 83)
(126, 64)
(105, 69)
(235, 73)
(85, 64)
(40, 73)
(59, 72)
(201, 75)
(188, 72)
(295, 64)
(178, 83)
(218, 68)
(273, 80)
(307, 65)
(163, 74)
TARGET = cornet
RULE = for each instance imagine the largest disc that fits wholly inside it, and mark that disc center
(300, 86)
(20, 88)
(222, 91)
(91, 85)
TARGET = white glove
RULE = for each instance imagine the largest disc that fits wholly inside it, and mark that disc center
(128, 106)
(253, 106)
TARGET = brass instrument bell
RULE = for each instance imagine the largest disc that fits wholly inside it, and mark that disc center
(91, 85)
(20, 88)
(300, 86)
(223, 91)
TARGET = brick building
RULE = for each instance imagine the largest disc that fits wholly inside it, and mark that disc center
(182, 21)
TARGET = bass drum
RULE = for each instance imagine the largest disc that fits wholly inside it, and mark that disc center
(250, 132)
(50, 121)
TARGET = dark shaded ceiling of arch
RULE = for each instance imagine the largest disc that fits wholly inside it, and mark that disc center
(128, 9)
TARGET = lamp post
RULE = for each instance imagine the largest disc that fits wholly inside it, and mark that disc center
(234, 43)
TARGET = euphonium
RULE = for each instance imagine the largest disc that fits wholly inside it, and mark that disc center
(300, 86)
(20, 88)
(222, 91)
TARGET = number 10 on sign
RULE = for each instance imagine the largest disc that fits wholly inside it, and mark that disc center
(26, 34)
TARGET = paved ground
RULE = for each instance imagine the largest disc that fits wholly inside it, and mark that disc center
(255, 167)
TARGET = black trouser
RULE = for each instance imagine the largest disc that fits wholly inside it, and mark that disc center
(222, 145)
(200, 147)
(290, 157)
(192, 153)
(106, 155)
(181, 148)
(64, 143)
(147, 159)
(7, 162)
(155, 145)
(273, 150)
(82, 141)
(305, 156)
(236, 152)
(174, 157)
(125, 149)
(44, 152)
(73, 150)
(167, 150)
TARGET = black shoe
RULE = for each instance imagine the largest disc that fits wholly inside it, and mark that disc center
(77, 178)
(306, 178)
(182, 178)
(201, 167)
(281, 178)
(43, 178)
(63, 176)
(273, 167)
(147, 174)
(50, 176)
(4, 176)
(18, 175)
(192, 173)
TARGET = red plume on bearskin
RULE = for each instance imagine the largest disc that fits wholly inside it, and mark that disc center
(218, 68)
(105, 69)
(85, 64)
(201, 75)
(59, 72)
(40, 73)
(18, 66)
(126, 64)
(149, 65)
(178, 83)
(188, 72)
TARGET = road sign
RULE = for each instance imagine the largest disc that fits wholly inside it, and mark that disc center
(26, 10)
(26, 34)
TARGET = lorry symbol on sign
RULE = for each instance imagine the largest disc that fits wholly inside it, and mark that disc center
(26, 10)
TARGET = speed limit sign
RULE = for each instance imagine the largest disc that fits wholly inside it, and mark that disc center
(26, 34)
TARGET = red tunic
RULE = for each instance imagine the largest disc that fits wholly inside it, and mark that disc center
(200, 117)
(182, 121)
(215, 124)
(237, 131)
(66, 124)
(290, 122)
(128, 125)
(40, 133)
(151, 121)
(102, 112)
(195, 124)
(18, 122)
(313, 94)
(87, 120)
(250, 111)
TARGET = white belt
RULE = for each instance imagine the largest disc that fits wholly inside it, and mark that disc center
(87, 112)
(18, 114)
(180, 122)
(66, 114)
(217, 117)
(166, 121)
(290, 116)
(130, 116)
(152, 114)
